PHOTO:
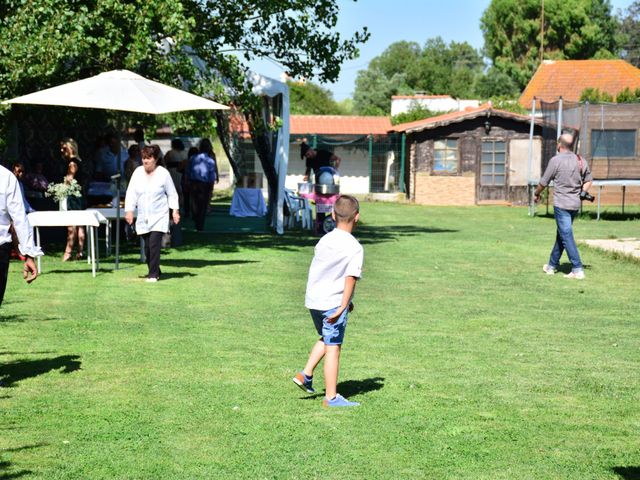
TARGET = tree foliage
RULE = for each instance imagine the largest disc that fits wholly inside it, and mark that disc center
(573, 29)
(406, 68)
(311, 99)
(201, 45)
(595, 95)
(630, 34)
(417, 112)
(495, 83)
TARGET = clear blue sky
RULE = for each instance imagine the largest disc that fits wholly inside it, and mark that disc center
(412, 20)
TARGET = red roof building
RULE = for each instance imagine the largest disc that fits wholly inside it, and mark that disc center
(339, 125)
(569, 78)
(327, 125)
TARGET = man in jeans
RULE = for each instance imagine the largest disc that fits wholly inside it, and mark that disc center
(571, 180)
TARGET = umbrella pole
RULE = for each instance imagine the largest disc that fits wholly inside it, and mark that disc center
(117, 179)
(118, 220)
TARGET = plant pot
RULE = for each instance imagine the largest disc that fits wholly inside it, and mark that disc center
(62, 204)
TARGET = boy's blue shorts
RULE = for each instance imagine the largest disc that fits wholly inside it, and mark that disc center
(331, 333)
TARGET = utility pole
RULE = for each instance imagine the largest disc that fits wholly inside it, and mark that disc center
(542, 33)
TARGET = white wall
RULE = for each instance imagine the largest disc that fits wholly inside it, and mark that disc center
(354, 169)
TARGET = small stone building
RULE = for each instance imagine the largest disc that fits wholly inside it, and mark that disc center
(478, 156)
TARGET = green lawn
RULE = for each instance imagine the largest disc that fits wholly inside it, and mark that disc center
(469, 362)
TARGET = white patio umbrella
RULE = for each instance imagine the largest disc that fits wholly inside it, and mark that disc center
(119, 90)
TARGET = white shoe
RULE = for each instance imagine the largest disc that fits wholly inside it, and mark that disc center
(152, 280)
(575, 275)
(548, 270)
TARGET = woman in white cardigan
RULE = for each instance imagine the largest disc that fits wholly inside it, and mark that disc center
(151, 191)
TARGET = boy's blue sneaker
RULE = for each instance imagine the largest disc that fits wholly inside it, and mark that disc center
(304, 382)
(339, 401)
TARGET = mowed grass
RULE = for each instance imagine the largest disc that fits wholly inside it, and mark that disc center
(469, 362)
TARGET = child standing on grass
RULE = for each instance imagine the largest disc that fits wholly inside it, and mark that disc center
(335, 268)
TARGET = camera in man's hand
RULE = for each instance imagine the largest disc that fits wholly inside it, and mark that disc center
(586, 196)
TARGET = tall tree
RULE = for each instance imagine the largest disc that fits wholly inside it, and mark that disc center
(630, 33)
(311, 99)
(202, 45)
(373, 92)
(405, 68)
(573, 29)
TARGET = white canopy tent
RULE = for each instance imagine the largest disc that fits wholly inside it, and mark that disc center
(269, 87)
(120, 90)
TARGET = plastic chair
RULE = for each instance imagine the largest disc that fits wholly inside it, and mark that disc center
(299, 210)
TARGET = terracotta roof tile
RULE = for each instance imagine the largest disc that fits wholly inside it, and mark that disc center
(569, 78)
(325, 125)
(339, 125)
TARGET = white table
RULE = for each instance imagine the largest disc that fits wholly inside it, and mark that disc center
(620, 183)
(248, 202)
(111, 214)
(75, 218)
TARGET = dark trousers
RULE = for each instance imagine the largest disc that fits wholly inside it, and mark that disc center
(200, 197)
(152, 246)
(5, 252)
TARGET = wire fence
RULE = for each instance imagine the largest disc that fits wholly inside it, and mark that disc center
(606, 135)
(369, 163)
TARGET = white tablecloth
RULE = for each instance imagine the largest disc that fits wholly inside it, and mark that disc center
(248, 202)
(84, 218)
(56, 218)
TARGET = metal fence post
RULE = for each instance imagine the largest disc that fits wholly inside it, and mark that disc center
(403, 139)
(370, 163)
(530, 184)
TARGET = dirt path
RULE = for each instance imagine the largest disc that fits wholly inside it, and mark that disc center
(625, 246)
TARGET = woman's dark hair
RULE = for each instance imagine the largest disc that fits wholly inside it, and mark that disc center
(206, 147)
(192, 151)
(152, 151)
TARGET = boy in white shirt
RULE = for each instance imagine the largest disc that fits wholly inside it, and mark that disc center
(335, 268)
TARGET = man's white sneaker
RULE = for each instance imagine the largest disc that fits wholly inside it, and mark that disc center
(548, 270)
(575, 275)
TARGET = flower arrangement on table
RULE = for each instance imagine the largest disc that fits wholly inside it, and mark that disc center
(61, 191)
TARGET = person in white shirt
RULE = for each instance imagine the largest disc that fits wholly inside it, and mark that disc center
(12, 210)
(152, 193)
(335, 268)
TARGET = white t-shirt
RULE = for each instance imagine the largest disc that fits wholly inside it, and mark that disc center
(337, 255)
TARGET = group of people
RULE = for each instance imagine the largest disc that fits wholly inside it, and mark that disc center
(157, 193)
